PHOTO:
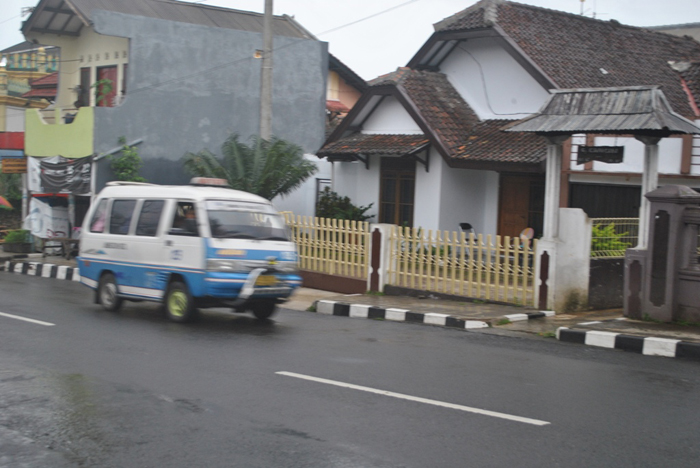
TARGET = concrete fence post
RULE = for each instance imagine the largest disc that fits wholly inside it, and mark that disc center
(380, 256)
(562, 265)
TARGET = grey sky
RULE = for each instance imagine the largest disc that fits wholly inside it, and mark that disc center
(388, 40)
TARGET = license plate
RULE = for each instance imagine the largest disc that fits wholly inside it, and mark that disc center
(266, 280)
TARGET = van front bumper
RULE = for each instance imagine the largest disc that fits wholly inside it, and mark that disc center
(241, 286)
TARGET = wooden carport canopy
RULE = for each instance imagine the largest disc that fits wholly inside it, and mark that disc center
(641, 111)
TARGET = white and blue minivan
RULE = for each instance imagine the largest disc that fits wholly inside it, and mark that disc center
(189, 247)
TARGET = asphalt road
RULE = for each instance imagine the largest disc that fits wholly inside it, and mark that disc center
(84, 387)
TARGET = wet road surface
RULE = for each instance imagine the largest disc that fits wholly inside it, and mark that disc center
(83, 387)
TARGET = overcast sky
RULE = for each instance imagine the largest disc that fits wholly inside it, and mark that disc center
(388, 39)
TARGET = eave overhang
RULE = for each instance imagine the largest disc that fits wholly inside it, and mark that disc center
(59, 17)
(632, 110)
(431, 55)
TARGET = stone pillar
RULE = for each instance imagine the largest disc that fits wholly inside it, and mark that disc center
(553, 186)
(548, 245)
(651, 274)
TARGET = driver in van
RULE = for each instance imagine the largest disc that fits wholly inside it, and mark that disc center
(190, 224)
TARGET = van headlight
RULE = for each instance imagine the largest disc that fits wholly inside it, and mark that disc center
(287, 267)
(223, 264)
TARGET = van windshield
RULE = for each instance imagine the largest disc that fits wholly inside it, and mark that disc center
(245, 220)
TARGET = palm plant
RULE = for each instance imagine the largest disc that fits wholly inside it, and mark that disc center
(265, 168)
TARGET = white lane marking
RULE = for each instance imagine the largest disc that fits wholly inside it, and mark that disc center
(17, 317)
(402, 396)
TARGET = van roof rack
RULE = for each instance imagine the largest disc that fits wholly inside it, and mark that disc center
(209, 182)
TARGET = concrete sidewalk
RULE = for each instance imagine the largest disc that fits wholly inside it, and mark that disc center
(607, 328)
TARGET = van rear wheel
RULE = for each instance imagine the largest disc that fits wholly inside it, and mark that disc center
(263, 310)
(179, 304)
(107, 293)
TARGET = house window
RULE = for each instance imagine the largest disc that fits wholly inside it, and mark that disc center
(396, 191)
(321, 185)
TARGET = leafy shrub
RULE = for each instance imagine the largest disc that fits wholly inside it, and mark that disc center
(331, 205)
(126, 166)
(17, 236)
(605, 238)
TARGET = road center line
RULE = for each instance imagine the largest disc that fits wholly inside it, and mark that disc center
(402, 396)
(17, 317)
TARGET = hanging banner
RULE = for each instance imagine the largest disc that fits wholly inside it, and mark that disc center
(60, 175)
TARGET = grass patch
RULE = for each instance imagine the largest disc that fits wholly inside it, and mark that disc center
(311, 308)
(548, 334)
(504, 321)
(374, 293)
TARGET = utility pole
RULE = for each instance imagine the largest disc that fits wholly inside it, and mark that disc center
(266, 76)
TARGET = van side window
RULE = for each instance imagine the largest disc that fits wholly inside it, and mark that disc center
(97, 223)
(122, 211)
(149, 217)
(185, 220)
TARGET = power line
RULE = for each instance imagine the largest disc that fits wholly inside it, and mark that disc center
(367, 17)
(9, 19)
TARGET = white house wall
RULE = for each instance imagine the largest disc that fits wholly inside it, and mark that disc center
(391, 118)
(427, 198)
(469, 196)
(492, 82)
(446, 197)
(353, 180)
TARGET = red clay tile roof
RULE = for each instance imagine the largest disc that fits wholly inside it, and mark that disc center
(47, 93)
(572, 49)
(450, 120)
(336, 106)
(487, 142)
(359, 143)
(50, 80)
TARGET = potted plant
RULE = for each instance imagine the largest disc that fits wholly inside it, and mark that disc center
(17, 241)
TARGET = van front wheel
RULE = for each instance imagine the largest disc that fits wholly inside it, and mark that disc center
(263, 310)
(108, 294)
(179, 304)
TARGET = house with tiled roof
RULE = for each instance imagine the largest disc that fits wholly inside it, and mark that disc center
(425, 143)
(43, 88)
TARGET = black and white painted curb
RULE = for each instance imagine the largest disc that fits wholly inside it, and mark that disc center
(344, 309)
(44, 270)
(649, 346)
(527, 316)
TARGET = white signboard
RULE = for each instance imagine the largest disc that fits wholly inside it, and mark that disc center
(47, 222)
